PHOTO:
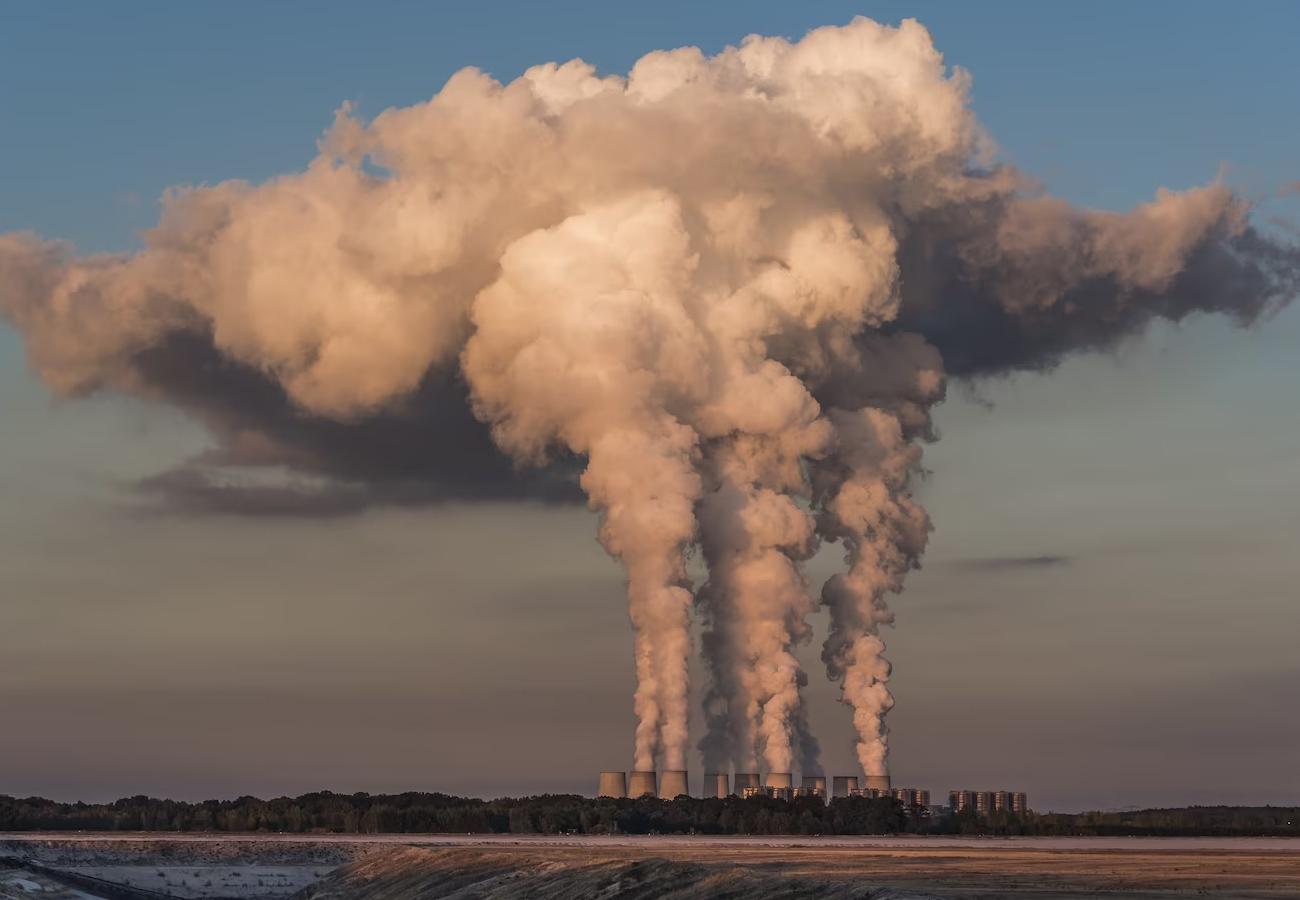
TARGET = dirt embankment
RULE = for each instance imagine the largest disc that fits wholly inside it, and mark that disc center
(477, 875)
(683, 873)
(460, 867)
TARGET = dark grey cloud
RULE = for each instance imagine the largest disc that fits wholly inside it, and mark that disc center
(190, 489)
(1006, 563)
(972, 303)
(960, 312)
(429, 450)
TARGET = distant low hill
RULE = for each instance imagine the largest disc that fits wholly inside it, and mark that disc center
(421, 813)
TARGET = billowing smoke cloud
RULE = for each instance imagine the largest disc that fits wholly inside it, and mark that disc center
(729, 289)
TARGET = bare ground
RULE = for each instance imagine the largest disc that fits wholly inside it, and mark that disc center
(459, 867)
(502, 873)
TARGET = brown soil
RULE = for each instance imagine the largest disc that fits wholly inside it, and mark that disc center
(508, 873)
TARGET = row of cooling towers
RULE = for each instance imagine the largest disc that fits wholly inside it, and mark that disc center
(718, 784)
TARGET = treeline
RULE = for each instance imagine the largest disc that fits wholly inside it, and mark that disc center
(1193, 821)
(414, 813)
(411, 813)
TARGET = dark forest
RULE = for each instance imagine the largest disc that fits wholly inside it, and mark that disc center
(412, 813)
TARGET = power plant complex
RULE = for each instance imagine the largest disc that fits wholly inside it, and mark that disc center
(985, 802)
(780, 786)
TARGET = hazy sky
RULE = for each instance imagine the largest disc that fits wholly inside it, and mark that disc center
(1108, 613)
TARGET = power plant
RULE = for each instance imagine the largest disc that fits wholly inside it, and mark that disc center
(780, 786)
(612, 784)
(878, 783)
(674, 784)
(844, 785)
(814, 785)
(643, 784)
(912, 798)
(985, 802)
(716, 785)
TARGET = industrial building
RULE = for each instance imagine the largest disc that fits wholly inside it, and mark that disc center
(813, 786)
(912, 798)
(780, 786)
(716, 785)
(643, 784)
(877, 783)
(844, 785)
(612, 784)
(675, 784)
(986, 802)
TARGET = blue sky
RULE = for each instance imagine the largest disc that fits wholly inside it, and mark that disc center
(104, 106)
(1157, 656)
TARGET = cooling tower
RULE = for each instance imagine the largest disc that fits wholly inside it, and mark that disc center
(716, 784)
(643, 784)
(814, 784)
(674, 783)
(779, 780)
(844, 784)
(745, 780)
(878, 783)
(612, 784)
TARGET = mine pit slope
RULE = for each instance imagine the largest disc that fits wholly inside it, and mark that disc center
(677, 873)
(513, 867)
(460, 874)
(139, 868)
(557, 873)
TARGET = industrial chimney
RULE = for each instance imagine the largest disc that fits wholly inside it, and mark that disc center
(612, 784)
(746, 780)
(844, 784)
(814, 784)
(878, 783)
(674, 784)
(779, 780)
(716, 785)
(643, 784)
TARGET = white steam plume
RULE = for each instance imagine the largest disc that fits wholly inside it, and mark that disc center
(754, 534)
(707, 279)
(884, 533)
(584, 339)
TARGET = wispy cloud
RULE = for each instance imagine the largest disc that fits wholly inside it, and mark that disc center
(1006, 563)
